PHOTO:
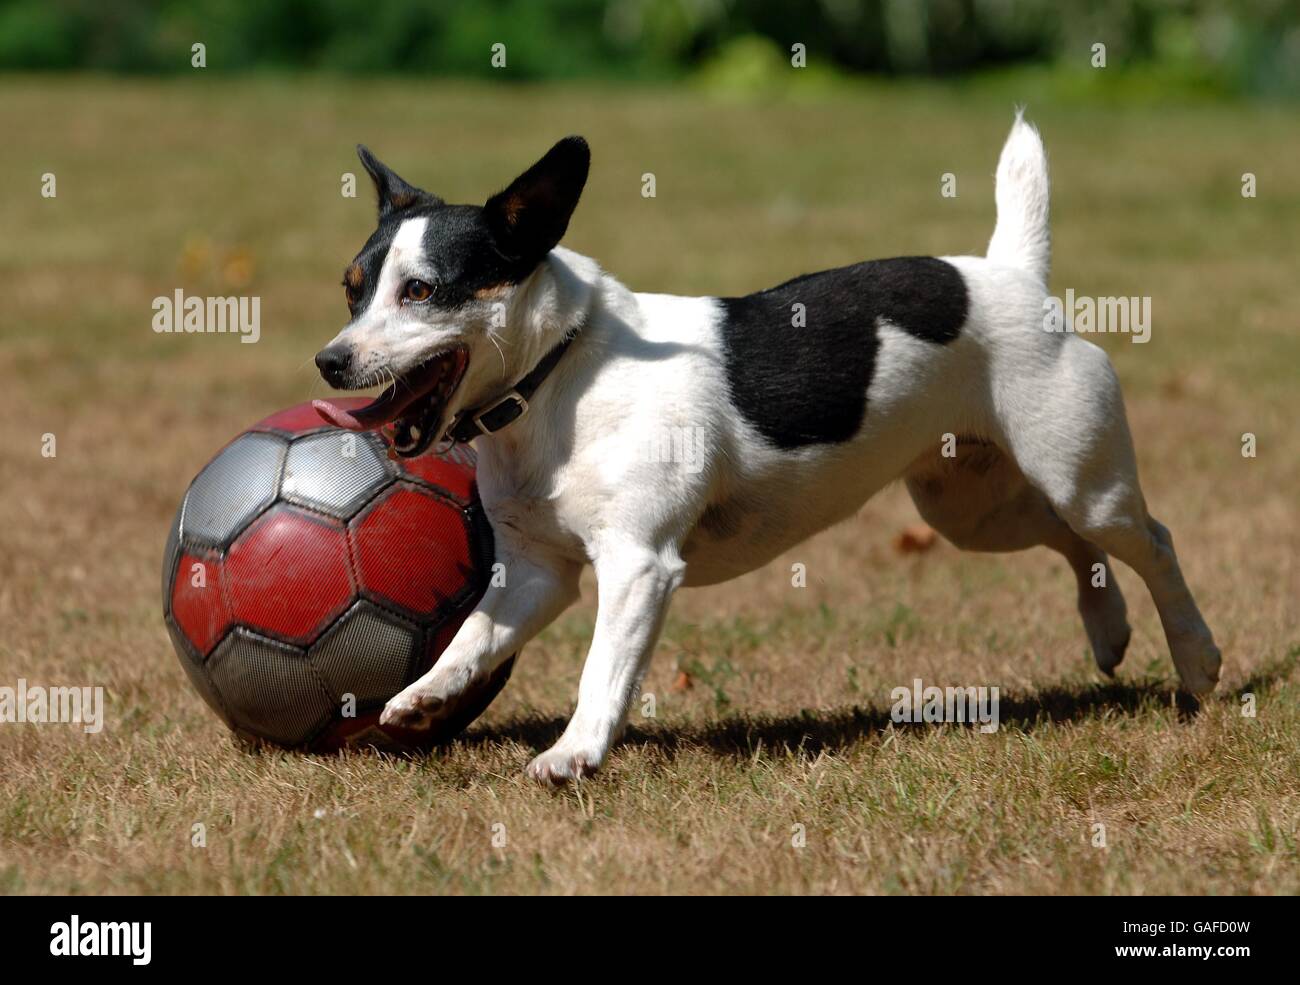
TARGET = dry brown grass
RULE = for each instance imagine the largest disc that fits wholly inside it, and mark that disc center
(787, 719)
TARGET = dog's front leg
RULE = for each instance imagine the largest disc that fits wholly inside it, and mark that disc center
(534, 592)
(635, 584)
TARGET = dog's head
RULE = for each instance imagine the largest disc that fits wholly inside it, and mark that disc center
(430, 287)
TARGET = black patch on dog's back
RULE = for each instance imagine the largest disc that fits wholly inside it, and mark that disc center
(808, 385)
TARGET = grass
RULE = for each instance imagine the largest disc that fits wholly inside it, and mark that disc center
(233, 187)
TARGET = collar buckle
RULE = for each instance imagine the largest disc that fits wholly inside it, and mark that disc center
(510, 406)
(513, 397)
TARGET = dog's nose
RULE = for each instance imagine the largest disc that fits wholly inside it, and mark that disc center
(333, 362)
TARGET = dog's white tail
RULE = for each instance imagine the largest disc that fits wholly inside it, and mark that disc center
(1021, 237)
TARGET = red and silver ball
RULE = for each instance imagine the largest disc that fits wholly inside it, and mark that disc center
(308, 578)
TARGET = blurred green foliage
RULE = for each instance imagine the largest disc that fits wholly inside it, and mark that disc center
(1250, 47)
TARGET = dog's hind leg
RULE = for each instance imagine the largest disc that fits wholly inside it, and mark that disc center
(980, 501)
(1066, 428)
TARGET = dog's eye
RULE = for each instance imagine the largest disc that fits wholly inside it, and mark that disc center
(353, 294)
(417, 291)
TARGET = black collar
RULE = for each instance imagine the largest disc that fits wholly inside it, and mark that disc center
(510, 406)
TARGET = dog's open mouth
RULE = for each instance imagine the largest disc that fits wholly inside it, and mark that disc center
(414, 404)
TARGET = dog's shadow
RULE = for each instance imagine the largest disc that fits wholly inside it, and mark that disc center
(740, 736)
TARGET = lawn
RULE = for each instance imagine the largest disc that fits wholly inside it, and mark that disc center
(772, 765)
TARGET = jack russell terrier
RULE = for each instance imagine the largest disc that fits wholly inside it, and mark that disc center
(799, 403)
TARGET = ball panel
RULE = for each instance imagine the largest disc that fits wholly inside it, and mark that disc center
(336, 472)
(232, 489)
(406, 531)
(270, 689)
(197, 603)
(368, 653)
(439, 638)
(171, 554)
(288, 574)
(451, 473)
(192, 664)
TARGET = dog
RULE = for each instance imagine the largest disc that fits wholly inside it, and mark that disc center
(799, 403)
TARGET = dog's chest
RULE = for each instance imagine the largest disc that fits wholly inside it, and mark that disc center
(529, 511)
(531, 520)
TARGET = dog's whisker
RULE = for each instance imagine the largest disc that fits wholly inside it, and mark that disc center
(492, 336)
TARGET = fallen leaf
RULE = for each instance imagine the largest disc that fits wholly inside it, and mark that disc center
(238, 269)
(915, 539)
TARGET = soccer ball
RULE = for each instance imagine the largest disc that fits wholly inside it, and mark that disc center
(308, 578)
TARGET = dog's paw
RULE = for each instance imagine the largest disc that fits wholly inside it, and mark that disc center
(1198, 662)
(426, 702)
(1109, 653)
(564, 763)
(413, 709)
(1105, 620)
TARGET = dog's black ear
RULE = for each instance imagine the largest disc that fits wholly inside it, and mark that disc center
(394, 193)
(530, 217)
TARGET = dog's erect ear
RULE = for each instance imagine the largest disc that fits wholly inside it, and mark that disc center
(394, 193)
(530, 217)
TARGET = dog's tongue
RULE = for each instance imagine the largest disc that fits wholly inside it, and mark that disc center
(337, 416)
(384, 409)
(394, 401)
(367, 417)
